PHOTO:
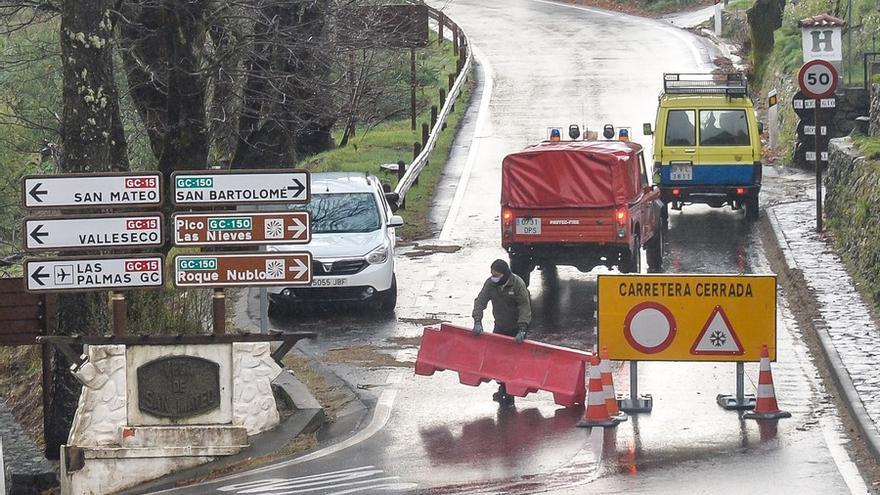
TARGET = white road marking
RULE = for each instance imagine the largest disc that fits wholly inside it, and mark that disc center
(350, 480)
(481, 130)
(847, 468)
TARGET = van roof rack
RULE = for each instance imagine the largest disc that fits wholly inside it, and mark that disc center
(734, 84)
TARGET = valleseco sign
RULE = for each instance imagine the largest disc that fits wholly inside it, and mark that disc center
(93, 232)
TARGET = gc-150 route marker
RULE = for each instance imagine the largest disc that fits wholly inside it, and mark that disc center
(220, 229)
(240, 187)
(93, 232)
(92, 190)
(246, 269)
(97, 273)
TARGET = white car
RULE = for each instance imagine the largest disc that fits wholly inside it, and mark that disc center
(352, 246)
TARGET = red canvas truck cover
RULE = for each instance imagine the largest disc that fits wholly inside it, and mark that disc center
(570, 175)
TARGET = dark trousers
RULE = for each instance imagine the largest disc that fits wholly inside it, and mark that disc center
(510, 332)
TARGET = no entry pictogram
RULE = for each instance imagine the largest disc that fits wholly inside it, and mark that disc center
(649, 327)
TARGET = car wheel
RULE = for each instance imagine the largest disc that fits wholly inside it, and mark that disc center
(751, 206)
(521, 267)
(654, 251)
(388, 300)
(632, 262)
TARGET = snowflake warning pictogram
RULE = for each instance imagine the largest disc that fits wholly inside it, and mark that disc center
(717, 336)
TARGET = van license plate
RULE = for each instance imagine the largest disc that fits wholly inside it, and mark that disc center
(329, 282)
(528, 226)
(682, 172)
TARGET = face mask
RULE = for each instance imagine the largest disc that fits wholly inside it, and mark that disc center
(495, 280)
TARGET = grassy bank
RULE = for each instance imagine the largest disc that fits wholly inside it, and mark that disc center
(392, 141)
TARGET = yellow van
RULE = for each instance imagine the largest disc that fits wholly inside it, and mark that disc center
(707, 143)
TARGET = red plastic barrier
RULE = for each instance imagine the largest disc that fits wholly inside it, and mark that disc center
(524, 368)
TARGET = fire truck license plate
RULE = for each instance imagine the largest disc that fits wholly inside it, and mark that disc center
(528, 226)
(681, 172)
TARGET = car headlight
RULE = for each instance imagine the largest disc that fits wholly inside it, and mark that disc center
(379, 255)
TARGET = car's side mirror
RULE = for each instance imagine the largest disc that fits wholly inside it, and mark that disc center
(760, 128)
(395, 221)
(646, 129)
(392, 198)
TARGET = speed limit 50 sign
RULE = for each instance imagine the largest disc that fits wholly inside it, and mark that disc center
(818, 79)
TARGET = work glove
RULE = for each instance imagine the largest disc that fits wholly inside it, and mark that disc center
(478, 327)
(522, 329)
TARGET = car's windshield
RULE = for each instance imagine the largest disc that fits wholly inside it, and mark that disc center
(342, 212)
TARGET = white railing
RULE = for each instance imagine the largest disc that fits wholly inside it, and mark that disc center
(419, 162)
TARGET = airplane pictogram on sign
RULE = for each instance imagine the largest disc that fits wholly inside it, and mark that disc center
(717, 336)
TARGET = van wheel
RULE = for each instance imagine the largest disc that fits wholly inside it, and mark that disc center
(522, 267)
(632, 262)
(751, 206)
(654, 251)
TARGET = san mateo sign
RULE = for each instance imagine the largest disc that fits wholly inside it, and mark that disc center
(92, 190)
(240, 187)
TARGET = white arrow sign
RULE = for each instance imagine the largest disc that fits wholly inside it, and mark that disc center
(93, 232)
(92, 190)
(98, 273)
(241, 187)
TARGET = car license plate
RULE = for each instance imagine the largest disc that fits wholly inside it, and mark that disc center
(329, 282)
(528, 226)
(682, 172)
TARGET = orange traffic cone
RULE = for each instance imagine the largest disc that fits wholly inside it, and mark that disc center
(766, 406)
(596, 413)
(608, 387)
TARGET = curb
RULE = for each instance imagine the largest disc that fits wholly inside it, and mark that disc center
(843, 382)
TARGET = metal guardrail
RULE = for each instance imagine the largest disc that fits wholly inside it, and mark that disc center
(411, 176)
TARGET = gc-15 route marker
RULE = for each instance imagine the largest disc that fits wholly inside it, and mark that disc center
(96, 273)
(240, 187)
(220, 229)
(246, 269)
(92, 190)
(93, 232)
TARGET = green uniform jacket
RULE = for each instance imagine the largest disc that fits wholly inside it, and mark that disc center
(510, 303)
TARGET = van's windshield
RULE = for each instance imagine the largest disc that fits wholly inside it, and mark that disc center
(724, 128)
(342, 213)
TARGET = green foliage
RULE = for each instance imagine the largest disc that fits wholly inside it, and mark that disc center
(869, 146)
(392, 141)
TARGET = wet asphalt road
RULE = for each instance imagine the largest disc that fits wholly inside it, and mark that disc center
(554, 65)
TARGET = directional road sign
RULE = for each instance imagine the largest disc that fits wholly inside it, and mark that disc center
(818, 79)
(93, 232)
(94, 273)
(220, 229)
(92, 190)
(240, 187)
(687, 317)
(245, 269)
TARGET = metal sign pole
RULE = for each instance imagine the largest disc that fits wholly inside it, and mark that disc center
(219, 300)
(634, 381)
(740, 383)
(119, 317)
(264, 311)
(818, 162)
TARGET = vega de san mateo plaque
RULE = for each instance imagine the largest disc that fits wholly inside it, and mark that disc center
(178, 386)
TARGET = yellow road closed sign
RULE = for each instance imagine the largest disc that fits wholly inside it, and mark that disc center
(687, 317)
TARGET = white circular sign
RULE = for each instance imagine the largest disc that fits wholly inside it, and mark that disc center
(818, 79)
(649, 327)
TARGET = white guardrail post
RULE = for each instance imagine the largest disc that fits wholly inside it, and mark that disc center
(415, 168)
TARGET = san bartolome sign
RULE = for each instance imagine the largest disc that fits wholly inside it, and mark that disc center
(240, 187)
(247, 269)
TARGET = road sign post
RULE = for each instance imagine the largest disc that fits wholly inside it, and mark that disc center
(818, 80)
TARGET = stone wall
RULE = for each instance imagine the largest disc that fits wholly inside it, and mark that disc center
(851, 202)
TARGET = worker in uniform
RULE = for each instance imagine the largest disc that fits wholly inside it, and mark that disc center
(511, 308)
